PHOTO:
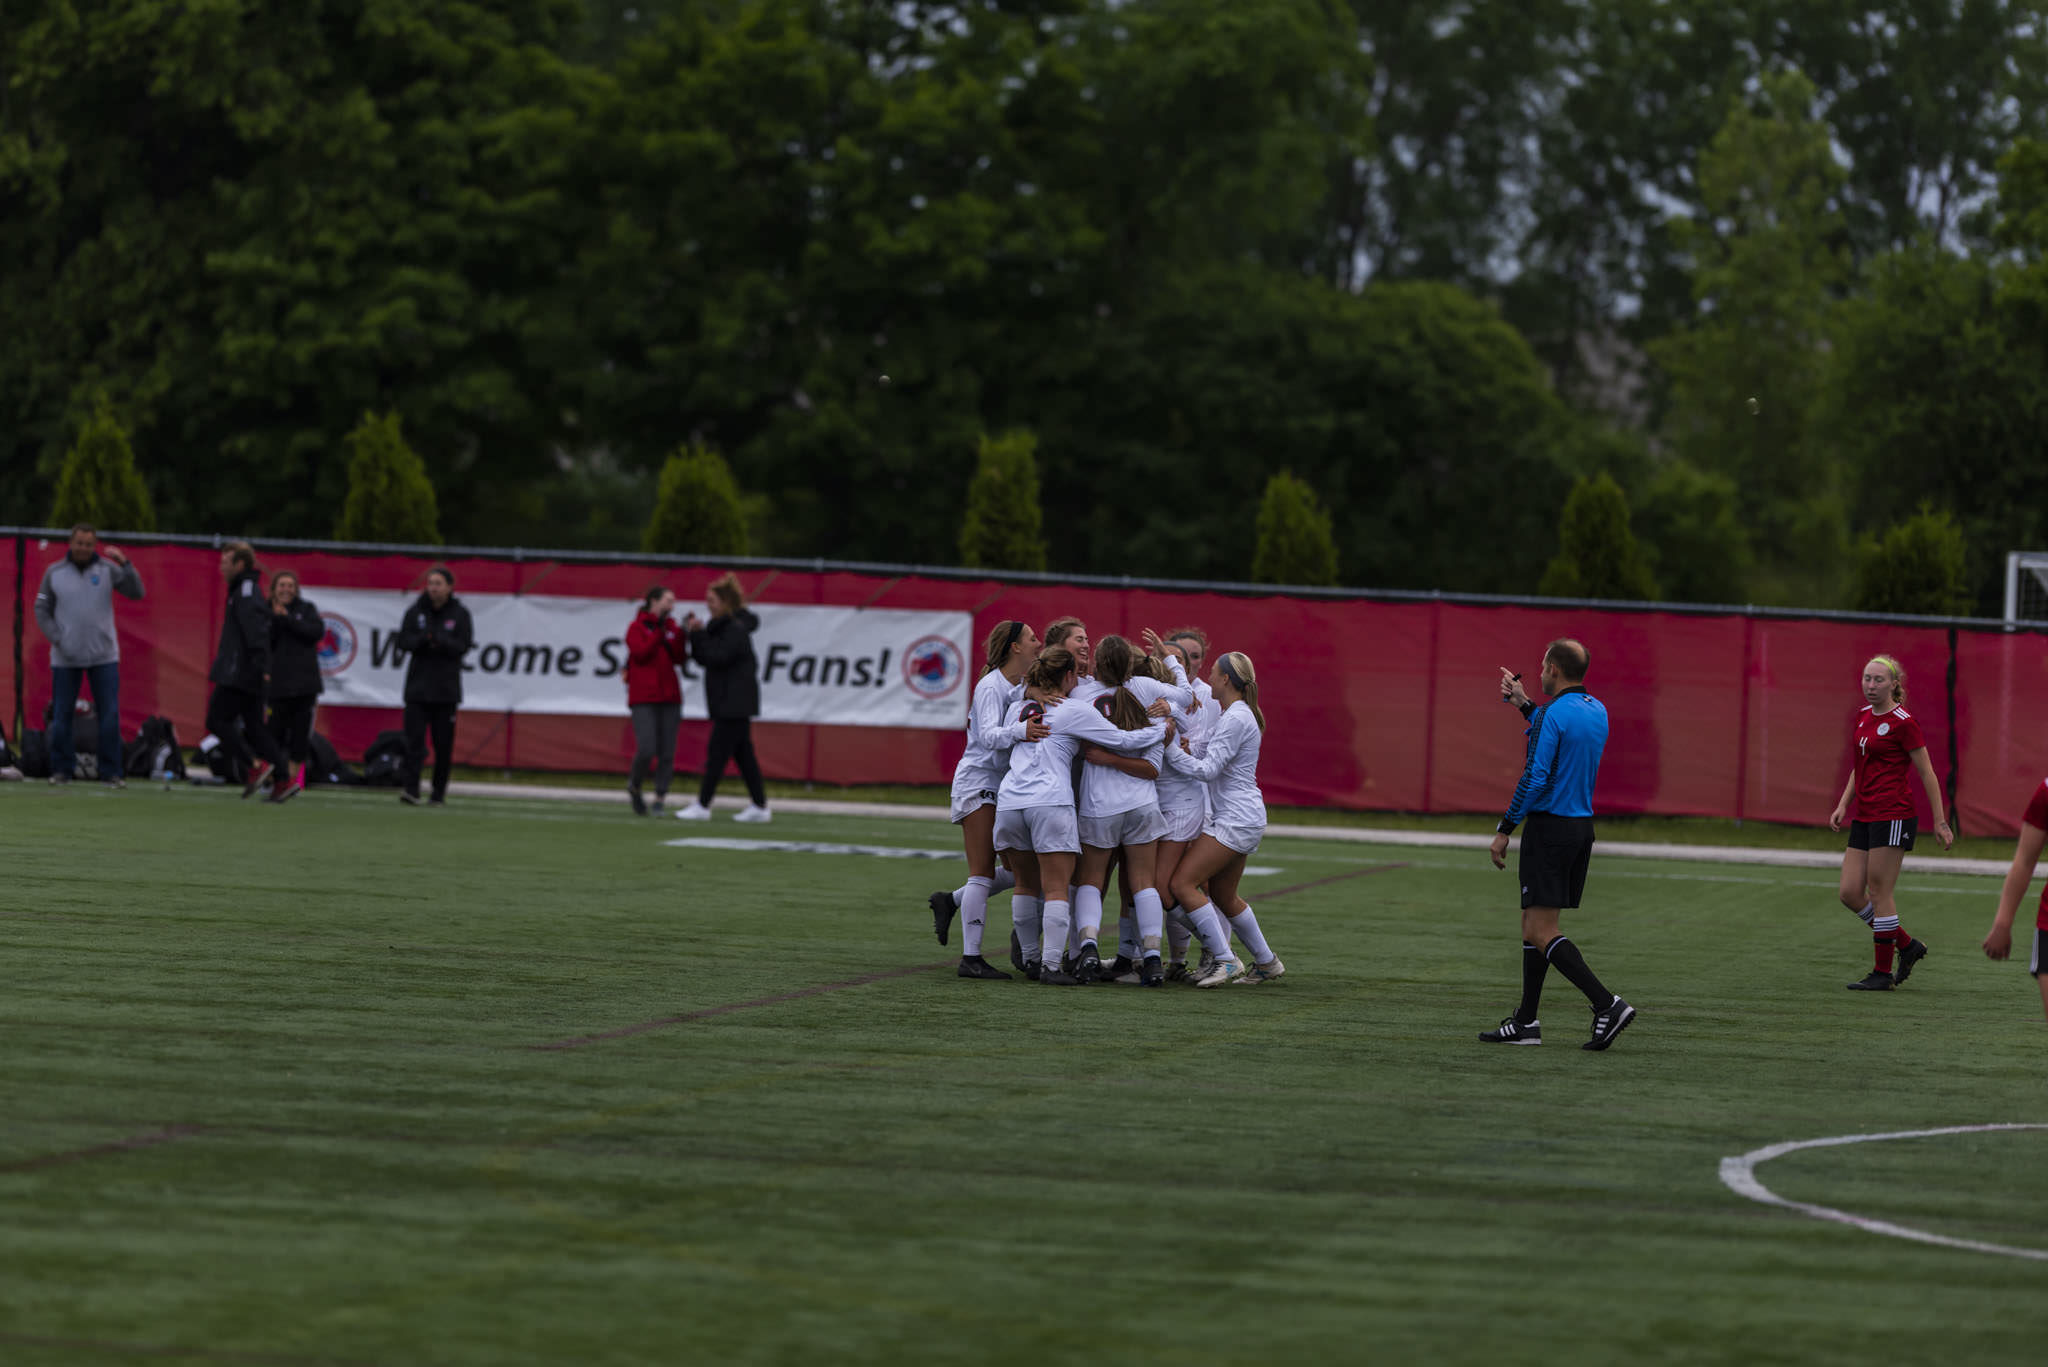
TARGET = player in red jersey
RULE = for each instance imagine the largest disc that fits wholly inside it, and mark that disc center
(1998, 944)
(1888, 743)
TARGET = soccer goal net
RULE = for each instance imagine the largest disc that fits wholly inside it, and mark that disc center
(2026, 586)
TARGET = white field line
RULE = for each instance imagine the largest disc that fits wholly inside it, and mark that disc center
(1622, 849)
(1740, 1176)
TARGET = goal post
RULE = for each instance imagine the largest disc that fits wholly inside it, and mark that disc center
(2026, 587)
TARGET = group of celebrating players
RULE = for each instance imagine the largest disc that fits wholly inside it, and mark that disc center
(1083, 756)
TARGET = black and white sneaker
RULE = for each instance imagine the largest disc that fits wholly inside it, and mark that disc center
(1088, 966)
(1609, 1023)
(1513, 1031)
(974, 966)
(1055, 977)
(1873, 981)
(1913, 953)
(1151, 974)
(942, 913)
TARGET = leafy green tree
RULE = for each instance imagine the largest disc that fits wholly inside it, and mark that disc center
(1767, 260)
(390, 499)
(697, 507)
(1597, 554)
(1004, 528)
(294, 214)
(1294, 545)
(1693, 535)
(99, 483)
(1916, 566)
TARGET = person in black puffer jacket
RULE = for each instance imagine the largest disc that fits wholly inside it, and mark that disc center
(437, 633)
(724, 646)
(296, 631)
(241, 673)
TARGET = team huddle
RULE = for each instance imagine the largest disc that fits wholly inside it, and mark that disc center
(1083, 758)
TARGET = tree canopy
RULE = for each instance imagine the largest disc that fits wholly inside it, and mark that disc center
(1441, 262)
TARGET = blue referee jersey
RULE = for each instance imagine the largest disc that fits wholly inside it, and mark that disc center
(1566, 737)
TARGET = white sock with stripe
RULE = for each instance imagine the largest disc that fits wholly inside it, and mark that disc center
(1247, 927)
(973, 916)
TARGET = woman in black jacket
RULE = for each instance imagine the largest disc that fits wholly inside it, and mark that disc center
(436, 635)
(724, 646)
(241, 673)
(296, 631)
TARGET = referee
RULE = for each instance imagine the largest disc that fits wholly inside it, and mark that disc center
(1555, 797)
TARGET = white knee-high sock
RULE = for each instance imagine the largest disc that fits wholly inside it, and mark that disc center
(1127, 932)
(1088, 912)
(973, 916)
(1058, 921)
(1149, 923)
(1178, 932)
(1003, 881)
(1027, 914)
(1247, 927)
(1208, 923)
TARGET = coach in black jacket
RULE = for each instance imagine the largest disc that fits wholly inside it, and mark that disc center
(436, 635)
(241, 671)
(724, 646)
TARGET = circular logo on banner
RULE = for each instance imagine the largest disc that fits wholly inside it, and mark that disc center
(338, 646)
(933, 667)
(1884, 728)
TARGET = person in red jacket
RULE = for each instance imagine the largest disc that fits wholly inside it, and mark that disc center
(655, 648)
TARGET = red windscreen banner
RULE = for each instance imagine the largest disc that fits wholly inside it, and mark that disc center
(1370, 705)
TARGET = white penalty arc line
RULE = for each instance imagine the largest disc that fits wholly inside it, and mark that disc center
(1739, 1174)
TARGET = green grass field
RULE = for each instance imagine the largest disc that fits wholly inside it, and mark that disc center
(273, 1092)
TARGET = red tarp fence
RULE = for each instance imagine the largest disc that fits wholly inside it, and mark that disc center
(1373, 701)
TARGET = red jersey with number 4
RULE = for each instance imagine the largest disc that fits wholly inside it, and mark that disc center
(1884, 763)
(2037, 817)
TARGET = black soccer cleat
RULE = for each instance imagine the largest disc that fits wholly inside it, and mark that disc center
(1873, 981)
(1151, 974)
(1913, 953)
(1512, 1031)
(1120, 966)
(1088, 967)
(1016, 952)
(1055, 977)
(1033, 969)
(1609, 1023)
(974, 966)
(942, 914)
(639, 802)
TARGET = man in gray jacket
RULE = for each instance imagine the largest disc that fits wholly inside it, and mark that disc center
(75, 609)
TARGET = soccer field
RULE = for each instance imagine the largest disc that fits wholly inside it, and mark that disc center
(521, 1082)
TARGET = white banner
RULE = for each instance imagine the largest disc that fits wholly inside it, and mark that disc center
(542, 653)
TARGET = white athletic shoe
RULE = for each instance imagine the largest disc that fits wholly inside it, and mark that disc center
(753, 815)
(1220, 972)
(694, 811)
(1262, 973)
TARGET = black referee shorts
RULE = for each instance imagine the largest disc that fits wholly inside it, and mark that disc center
(1555, 852)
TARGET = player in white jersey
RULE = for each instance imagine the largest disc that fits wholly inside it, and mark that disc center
(1119, 808)
(1035, 819)
(1008, 653)
(1236, 824)
(1184, 800)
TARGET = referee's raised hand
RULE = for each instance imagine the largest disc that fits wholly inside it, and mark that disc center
(1511, 690)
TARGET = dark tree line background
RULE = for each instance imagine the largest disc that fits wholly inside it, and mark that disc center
(1443, 262)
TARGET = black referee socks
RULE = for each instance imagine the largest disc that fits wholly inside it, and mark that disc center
(1565, 956)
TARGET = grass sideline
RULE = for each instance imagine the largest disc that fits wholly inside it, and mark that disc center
(1670, 830)
(274, 1094)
